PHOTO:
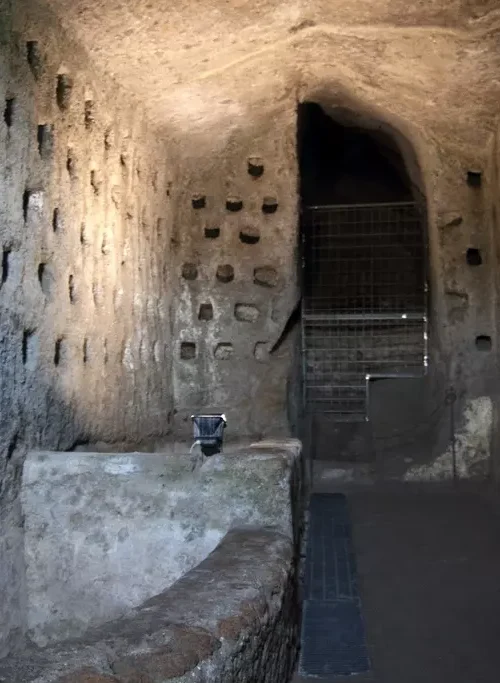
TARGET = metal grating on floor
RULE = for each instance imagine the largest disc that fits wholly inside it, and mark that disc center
(333, 634)
(334, 640)
(330, 565)
(364, 307)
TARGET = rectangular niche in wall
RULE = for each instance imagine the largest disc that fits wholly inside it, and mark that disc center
(26, 204)
(249, 235)
(473, 257)
(188, 350)
(206, 312)
(224, 351)
(5, 264)
(211, 233)
(255, 167)
(56, 220)
(86, 351)
(265, 276)
(269, 205)
(225, 273)
(189, 271)
(198, 201)
(234, 204)
(71, 289)
(45, 139)
(474, 178)
(30, 349)
(95, 182)
(59, 351)
(483, 342)
(64, 88)
(261, 351)
(8, 112)
(89, 114)
(247, 313)
(34, 57)
(71, 163)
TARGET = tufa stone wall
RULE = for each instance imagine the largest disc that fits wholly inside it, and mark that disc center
(494, 257)
(426, 73)
(223, 315)
(86, 210)
(84, 237)
(235, 255)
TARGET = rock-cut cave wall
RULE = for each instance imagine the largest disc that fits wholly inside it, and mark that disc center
(226, 321)
(84, 237)
(235, 255)
(107, 224)
(493, 219)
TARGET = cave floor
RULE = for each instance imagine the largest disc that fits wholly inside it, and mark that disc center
(428, 561)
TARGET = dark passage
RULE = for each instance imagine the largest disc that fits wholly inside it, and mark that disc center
(364, 246)
(347, 165)
(364, 276)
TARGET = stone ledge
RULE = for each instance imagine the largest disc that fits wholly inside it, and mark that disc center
(231, 619)
(120, 506)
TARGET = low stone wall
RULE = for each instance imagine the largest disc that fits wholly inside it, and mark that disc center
(105, 532)
(232, 619)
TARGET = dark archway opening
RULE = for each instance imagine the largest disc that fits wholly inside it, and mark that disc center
(347, 165)
(364, 284)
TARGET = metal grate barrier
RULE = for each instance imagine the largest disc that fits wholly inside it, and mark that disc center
(365, 301)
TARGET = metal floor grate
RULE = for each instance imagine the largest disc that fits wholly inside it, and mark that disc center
(331, 566)
(364, 307)
(333, 639)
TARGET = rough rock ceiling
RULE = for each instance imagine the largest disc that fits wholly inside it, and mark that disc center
(200, 61)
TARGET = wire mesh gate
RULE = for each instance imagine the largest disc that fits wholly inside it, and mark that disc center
(364, 304)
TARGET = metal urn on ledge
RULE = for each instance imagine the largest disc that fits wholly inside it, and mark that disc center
(208, 432)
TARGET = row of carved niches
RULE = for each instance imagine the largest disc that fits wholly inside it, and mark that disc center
(234, 203)
(264, 276)
(247, 234)
(90, 351)
(248, 313)
(222, 351)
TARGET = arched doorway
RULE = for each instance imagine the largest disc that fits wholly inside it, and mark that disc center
(364, 308)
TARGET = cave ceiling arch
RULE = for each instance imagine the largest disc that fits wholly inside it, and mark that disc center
(210, 63)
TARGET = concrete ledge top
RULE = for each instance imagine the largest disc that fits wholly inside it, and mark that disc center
(177, 464)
